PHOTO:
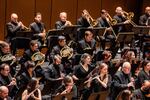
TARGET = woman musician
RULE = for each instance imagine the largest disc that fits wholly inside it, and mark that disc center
(32, 92)
(102, 80)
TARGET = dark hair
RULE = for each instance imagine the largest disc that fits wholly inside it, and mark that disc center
(84, 56)
(33, 42)
(29, 64)
(67, 79)
(38, 13)
(103, 11)
(101, 65)
(32, 85)
(2, 66)
(145, 62)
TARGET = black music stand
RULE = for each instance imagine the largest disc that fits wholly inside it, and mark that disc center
(71, 31)
(125, 37)
(55, 32)
(26, 34)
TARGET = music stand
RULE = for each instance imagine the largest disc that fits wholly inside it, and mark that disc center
(125, 37)
(55, 32)
(26, 34)
(141, 29)
(71, 31)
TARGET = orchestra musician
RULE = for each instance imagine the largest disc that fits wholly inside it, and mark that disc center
(4, 93)
(38, 28)
(87, 44)
(101, 81)
(32, 91)
(104, 21)
(24, 77)
(13, 27)
(54, 74)
(142, 92)
(122, 80)
(7, 80)
(81, 74)
(68, 86)
(145, 18)
(67, 62)
(144, 74)
(63, 22)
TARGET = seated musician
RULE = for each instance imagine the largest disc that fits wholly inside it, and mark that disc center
(68, 87)
(7, 57)
(4, 93)
(143, 93)
(122, 80)
(13, 27)
(58, 49)
(54, 74)
(63, 21)
(7, 80)
(88, 44)
(28, 53)
(104, 21)
(101, 81)
(24, 77)
(32, 91)
(38, 29)
(145, 18)
(81, 74)
(144, 74)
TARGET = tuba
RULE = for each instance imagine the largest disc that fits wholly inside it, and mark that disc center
(66, 52)
(38, 58)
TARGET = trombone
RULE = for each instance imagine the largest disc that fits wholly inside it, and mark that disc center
(129, 16)
(111, 22)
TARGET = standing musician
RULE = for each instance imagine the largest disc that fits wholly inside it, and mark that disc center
(54, 74)
(13, 27)
(122, 80)
(7, 80)
(88, 44)
(81, 74)
(32, 92)
(101, 81)
(145, 18)
(83, 20)
(120, 17)
(4, 93)
(105, 21)
(63, 21)
(38, 29)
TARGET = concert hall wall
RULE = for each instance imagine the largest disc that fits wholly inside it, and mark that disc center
(50, 10)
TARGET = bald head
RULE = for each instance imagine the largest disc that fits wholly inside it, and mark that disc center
(3, 91)
(63, 16)
(147, 10)
(118, 10)
(126, 67)
(14, 17)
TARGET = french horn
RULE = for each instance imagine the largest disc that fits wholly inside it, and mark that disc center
(66, 51)
(8, 58)
(38, 58)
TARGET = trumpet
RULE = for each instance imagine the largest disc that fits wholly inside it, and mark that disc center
(89, 18)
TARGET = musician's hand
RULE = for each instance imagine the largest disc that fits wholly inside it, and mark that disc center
(20, 24)
(13, 82)
(60, 78)
(130, 84)
(126, 22)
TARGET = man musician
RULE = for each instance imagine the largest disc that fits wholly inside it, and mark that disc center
(38, 29)
(63, 21)
(13, 27)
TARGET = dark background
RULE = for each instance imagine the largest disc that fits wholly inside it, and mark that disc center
(50, 10)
